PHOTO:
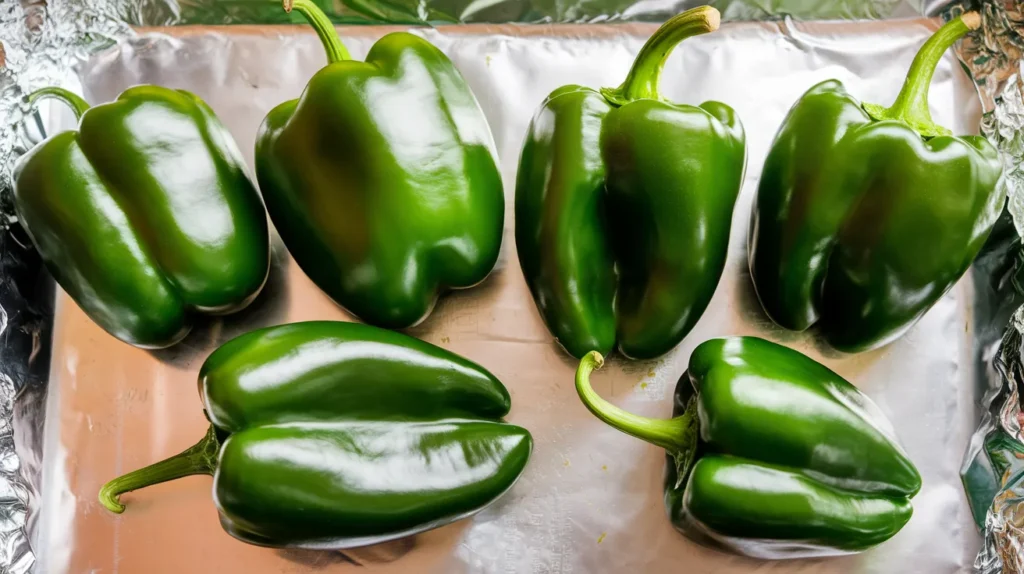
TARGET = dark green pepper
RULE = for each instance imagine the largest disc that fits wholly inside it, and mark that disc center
(771, 454)
(145, 216)
(624, 204)
(333, 435)
(382, 178)
(866, 216)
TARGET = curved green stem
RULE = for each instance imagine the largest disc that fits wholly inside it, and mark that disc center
(678, 435)
(201, 458)
(73, 100)
(911, 105)
(336, 51)
(643, 78)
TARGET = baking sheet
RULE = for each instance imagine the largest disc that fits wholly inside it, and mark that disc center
(591, 500)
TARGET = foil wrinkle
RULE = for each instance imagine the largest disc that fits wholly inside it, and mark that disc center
(994, 55)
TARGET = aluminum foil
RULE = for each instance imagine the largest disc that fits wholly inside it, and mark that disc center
(39, 44)
(177, 12)
(993, 469)
(1003, 452)
(591, 499)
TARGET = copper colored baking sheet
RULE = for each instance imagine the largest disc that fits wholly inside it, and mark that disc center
(591, 500)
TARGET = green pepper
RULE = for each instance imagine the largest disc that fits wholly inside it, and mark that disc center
(624, 203)
(866, 216)
(771, 454)
(332, 435)
(145, 216)
(382, 179)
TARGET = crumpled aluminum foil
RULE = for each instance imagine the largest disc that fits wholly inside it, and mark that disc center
(40, 42)
(998, 460)
(993, 469)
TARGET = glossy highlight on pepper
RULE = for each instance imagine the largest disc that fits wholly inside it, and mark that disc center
(382, 177)
(334, 435)
(624, 203)
(771, 454)
(145, 215)
(865, 216)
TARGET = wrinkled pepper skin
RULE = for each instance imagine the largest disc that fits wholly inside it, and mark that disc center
(864, 216)
(771, 454)
(382, 179)
(145, 215)
(334, 435)
(624, 204)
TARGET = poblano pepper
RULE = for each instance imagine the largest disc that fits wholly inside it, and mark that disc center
(771, 454)
(382, 179)
(145, 216)
(866, 216)
(624, 203)
(333, 435)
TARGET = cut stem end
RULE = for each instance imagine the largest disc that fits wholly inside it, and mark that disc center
(972, 20)
(712, 19)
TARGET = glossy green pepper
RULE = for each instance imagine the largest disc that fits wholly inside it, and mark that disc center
(382, 178)
(624, 203)
(145, 216)
(334, 435)
(771, 454)
(866, 216)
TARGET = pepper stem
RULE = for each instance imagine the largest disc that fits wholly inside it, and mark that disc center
(201, 458)
(678, 435)
(911, 105)
(643, 78)
(73, 100)
(336, 51)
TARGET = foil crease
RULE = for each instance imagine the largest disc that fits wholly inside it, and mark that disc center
(1004, 531)
(1004, 126)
